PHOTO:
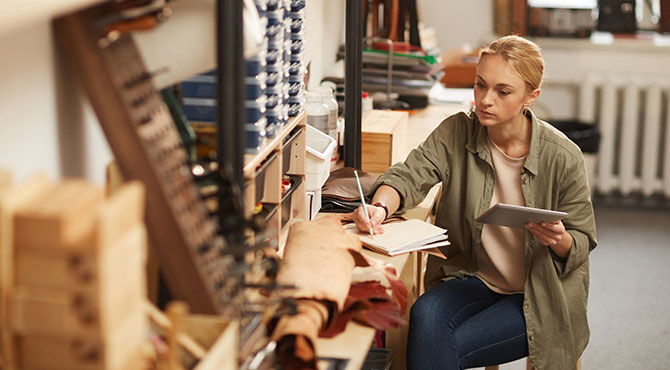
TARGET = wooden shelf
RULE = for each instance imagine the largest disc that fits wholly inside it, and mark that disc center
(281, 157)
(251, 161)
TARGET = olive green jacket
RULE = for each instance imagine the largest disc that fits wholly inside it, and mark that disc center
(554, 177)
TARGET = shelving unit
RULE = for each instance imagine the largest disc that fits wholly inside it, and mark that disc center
(283, 156)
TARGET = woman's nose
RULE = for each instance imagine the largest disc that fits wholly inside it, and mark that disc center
(486, 98)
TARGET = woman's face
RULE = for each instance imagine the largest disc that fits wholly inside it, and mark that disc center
(500, 93)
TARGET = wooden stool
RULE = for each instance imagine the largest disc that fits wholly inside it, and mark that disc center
(496, 367)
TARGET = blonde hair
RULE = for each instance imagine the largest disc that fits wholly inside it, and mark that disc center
(524, 56)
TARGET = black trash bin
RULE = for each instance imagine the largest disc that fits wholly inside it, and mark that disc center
(586, 136)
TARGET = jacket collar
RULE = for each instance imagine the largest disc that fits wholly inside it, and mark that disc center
(477, 142)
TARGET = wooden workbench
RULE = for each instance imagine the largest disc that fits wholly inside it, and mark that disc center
(355, 341)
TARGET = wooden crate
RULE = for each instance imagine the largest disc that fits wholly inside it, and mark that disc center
(383, 139)
(60, 217)
(210, 341)
(90, 273)
(85, 352)
(47, 310)
(87, 269)
(219, 336)
(80, 281)
(12, 198)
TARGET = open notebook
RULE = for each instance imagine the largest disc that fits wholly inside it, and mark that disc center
(403, 237)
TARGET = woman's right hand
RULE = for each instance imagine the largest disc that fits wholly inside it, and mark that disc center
(377, 216)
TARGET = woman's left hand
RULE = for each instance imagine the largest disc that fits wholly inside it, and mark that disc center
(552, 235)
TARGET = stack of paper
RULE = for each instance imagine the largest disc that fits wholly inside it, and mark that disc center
(403, 237)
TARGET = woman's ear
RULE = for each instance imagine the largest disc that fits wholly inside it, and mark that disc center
(531, 98)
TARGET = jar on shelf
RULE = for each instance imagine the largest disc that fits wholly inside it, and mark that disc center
(317, 111)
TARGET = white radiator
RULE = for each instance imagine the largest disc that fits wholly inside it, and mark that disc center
(634, 120)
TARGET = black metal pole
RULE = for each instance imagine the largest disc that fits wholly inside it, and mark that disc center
(352, 84)
(230, 116)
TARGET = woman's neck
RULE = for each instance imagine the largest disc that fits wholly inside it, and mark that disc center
(513, 137)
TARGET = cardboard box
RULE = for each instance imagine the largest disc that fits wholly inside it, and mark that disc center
(383, 139)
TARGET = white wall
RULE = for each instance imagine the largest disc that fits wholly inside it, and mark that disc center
(44, 123)
(458, 22)
(325, 33)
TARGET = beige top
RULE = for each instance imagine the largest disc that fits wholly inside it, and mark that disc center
(501, 259)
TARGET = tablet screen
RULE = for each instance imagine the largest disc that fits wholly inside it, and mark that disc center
(516, 216)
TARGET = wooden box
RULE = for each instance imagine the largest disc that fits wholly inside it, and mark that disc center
(60, 217)
(383, 140)
(57, 311)
(84, 269)
(199, 342)
(110, 351)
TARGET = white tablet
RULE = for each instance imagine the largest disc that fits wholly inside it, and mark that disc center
(516, 216)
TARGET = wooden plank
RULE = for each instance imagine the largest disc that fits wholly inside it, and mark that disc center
(353, 345)
(60, 217)
(223, 353)
(10, 200)
(113, 178)
(82, 352)
(298, 209)
(163, 324)
(65, 269)
(210, 339)
(121, 212)
(297, 153)
(272, 180)
(55, 310)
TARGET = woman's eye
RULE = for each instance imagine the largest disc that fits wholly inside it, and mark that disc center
(504, 93)
(480, 85)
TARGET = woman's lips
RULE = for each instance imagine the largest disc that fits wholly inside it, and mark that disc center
(484, 113)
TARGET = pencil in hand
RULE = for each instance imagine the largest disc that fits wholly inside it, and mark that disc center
(365, 208)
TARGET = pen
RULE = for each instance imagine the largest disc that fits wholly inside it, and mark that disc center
(365, 208)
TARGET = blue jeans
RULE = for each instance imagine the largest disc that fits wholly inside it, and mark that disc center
(461, 324)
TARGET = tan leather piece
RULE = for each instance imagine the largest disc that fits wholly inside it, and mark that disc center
(309, 320)
(320, 258)
(317, 260)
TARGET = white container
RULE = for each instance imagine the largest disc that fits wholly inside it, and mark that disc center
(317, 111)
(317, 162)
(331, 103)
(312, 203)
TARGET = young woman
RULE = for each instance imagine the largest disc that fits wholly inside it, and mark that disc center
(503, 293)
